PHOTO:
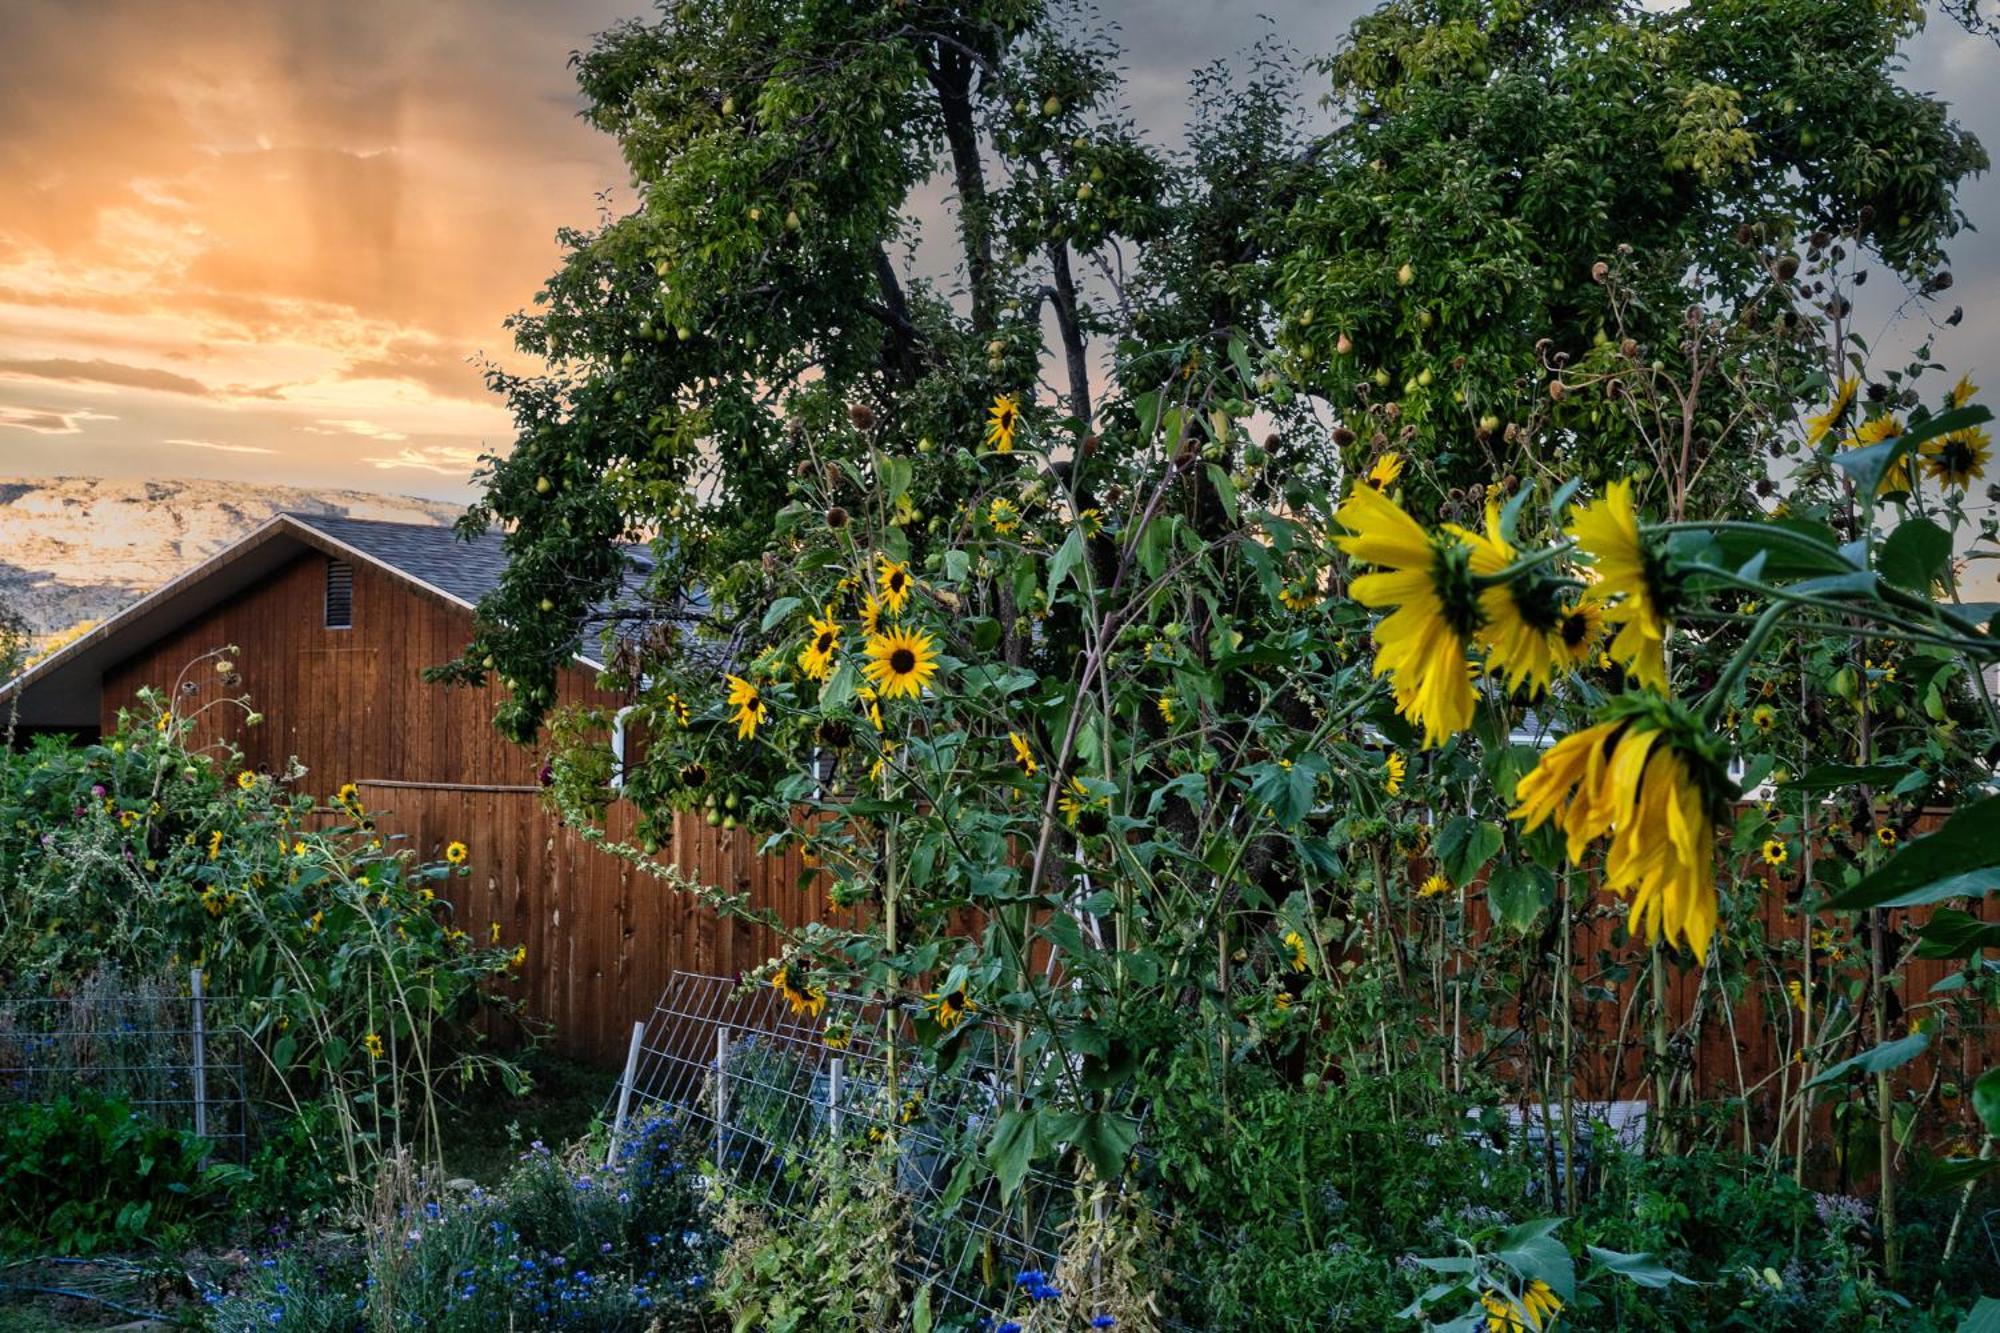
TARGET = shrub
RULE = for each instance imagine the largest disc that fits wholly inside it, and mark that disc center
(84, 1173)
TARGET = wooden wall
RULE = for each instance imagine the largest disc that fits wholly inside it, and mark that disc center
(352, 706)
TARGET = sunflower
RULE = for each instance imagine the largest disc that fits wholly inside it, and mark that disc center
(678, 711)
(749, 705)
(1886, 836)
(901, 662)
(372, 1043)
(1643, 778)
(246, 780)
(1764, 717)
(1580, 629)
(1957, 459)
(1394, 769)
(1535, 1309)
(949, 1008)
(349, 796)
(1437, 886)
(1776, 853)
(1077, 801)
(1798, 993)
(1878, 430)
(1165, 706)
(1001, 419)
(1004, 515)
(871, 615)
(1520, 620)
(1627, 569)
(1421, 644)
(1295, 951)
(816, 658)
(881, 764)
(1300, 594)
(1818, 427)
(893, 582)
(1961, 392)
(806, 1000)
(1024, 758)
(871, 702)
(455, 852)
(518, 957)
(1384, 471)
(215, 844)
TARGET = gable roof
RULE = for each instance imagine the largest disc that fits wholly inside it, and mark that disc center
(64, 689)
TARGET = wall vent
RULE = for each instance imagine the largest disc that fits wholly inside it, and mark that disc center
(339, 594)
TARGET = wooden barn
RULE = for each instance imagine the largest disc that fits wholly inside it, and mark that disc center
(335, 620)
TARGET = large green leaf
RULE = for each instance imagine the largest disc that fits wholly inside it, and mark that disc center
(1982, 1318)
(1011, 1150)
(1915, 555)
(1986, 1100)
(1951, 933)
(1878, 1059)
(1532, 1250)
(1643, 1269)
(1962, 859)
(1832, 777)
(1465, 846)
(1517, 894)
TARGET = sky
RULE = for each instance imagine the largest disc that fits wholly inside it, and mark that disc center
(269, 239)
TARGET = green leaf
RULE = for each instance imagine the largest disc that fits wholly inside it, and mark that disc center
(1643, 1269)
(1532, 1250)
(1832, 777)
(1916, 554)
(1012, 1149)
(1225, 490)
(1465, 845)
(1106, 1140)
(777, 611)
(1951, 933)
(1879, 1059)
(1950, 863)
(920, 1311)
(1067, 557)
(1982, 1318)
(840, 688)
(1517, 894)
(1986, 1101)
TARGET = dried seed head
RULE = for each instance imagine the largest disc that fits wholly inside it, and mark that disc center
(862, 416)
(836, 518)
(1600, 271)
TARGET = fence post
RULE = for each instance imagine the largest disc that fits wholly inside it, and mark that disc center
(200, 1059)
(836, 1092)
(625, 1090)
(721, 1092)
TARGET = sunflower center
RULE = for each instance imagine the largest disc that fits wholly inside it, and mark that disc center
(1458, 596)
(896, 581)
(1956, 456)
(1575, 629)
(824, 644)
(902, 661)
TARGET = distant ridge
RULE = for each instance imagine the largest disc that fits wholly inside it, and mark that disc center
(79, 548)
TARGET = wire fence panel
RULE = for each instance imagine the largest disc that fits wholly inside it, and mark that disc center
(767, 1088)
(176, 1058)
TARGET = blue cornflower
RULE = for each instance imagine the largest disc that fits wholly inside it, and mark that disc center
(1104, 1321)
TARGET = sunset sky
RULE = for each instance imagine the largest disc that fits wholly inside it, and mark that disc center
(264, 240)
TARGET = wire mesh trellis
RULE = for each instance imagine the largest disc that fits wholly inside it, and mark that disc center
(175, 1057)
(767, 1088)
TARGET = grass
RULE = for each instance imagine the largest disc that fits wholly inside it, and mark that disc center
(490, 1127)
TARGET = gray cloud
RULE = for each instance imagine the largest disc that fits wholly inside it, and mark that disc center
(99, 371)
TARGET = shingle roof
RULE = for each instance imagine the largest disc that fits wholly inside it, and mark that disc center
(465, 569)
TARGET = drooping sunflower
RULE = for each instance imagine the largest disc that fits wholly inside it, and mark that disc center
(1436, 886)
(1384, 471)
(816, 658)
(1649, 778)
(901, 662)
(1521, 619)
(1957, 459)
(455, 853)
(805, 999)
(348, 797)
(1631, 582)
(1819, 426)
(1394, 769)
(893, 585)
(871, 615)
(1001, 421)
(949, 1008)
(1024, 758)
(749, 705)
(1421, 644)
(1530, 1312)
(1295, 951)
